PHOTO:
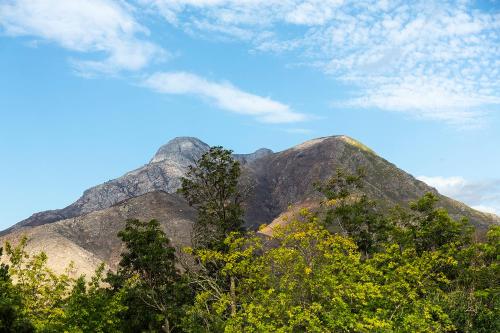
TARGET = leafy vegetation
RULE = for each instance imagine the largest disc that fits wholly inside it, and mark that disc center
(351, 267)
(211, 186)
(154, 289)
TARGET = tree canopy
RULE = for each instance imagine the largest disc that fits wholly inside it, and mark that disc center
(211, 186)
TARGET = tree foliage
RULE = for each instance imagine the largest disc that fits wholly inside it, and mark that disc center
(50, 302)
(12, 318)
(352, 213)
(306, 279)
(211, 186)
(42, 290)
(148, 273)
(92, 308)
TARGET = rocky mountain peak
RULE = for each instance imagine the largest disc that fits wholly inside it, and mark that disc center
(183, 150)
(262, 152)
(248, 158)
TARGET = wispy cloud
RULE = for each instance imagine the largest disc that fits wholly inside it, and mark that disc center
(104, 29)
(433, 59)
(110, 40)
(224, 95)
(481, 195)
(436, 60)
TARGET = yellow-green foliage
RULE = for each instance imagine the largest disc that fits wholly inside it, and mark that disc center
(306, 279)
(42, 290)
(58, 303)
(425, 276)
(358, 144)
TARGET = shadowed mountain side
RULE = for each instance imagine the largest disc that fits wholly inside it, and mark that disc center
(287, 177)
(92, 238)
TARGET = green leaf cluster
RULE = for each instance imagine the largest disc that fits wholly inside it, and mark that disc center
(38, 300)
(211, 186)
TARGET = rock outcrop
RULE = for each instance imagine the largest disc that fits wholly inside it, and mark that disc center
(162, 173)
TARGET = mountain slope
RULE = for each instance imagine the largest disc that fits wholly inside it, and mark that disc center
(90, 239)
(280, 179)
(287, 178)
(162, 173)
(85, 231)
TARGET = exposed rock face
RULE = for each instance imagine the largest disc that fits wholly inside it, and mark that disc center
(86, 230)
(182, 150)
(162, 173)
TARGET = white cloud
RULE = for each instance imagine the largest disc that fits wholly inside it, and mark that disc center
(110, 40)
(249, 12)
(437, 60)
(447, 185)
(433, 59)
(487, 209)
(481, 195)
(224, 95)
(428, 97)
(99, 27)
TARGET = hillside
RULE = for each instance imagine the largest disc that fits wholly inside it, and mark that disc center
(85, 231)
(286, 178)
(90, 239)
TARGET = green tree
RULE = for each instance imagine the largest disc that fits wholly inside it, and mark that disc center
(473, 298)
(306, 279)
(352, 213)
(211, 186)
(155, 289)
(468, 292)
(427, 227)
(12, 318)
(42, 291)
(92, 308)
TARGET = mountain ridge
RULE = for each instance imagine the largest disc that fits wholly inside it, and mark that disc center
(171, 161)
(86, 231)
(162, 173)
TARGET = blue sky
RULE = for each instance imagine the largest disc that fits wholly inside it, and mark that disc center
(89, 89)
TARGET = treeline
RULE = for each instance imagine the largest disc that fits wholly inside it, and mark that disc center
(350, 267)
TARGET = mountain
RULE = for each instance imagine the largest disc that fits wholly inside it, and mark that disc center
(85, 231)
(90, 239)
(162, 173)
(286, 178)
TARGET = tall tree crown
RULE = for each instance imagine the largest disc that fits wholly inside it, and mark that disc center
(211, 186)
